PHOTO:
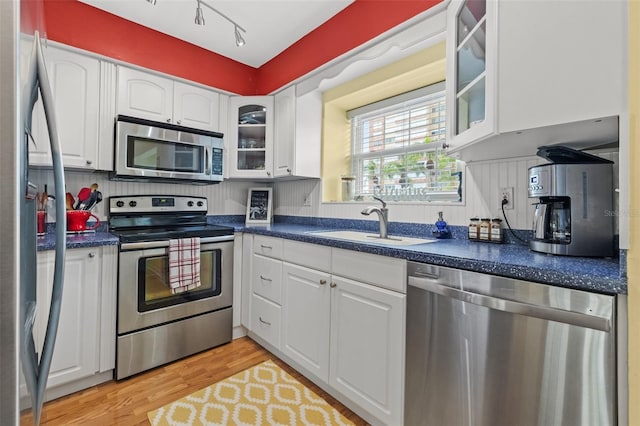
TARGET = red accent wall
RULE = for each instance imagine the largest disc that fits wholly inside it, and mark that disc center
(80, 25)
(356, 24)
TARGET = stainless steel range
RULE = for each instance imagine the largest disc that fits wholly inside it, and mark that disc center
(155, 324)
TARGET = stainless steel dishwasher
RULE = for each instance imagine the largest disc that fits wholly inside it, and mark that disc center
(491, 351)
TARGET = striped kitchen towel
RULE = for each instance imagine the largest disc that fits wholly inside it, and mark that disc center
(184, 264)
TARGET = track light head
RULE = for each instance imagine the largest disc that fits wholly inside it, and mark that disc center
(200, 20)
(153, 2)
(199, 15)
(239, 39)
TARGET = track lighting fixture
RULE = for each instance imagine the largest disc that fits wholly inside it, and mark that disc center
(199, 19)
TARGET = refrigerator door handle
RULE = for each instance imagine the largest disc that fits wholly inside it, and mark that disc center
(28, 353)
(61, 226)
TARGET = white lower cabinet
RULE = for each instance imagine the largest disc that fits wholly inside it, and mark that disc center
(367, 347)
(306, 318)
(85, 342)
(345, 334)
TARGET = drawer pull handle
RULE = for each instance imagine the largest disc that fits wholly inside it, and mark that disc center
(332, 285)
(263, 321)
(266, 247)
(265, 278)
(323, 282)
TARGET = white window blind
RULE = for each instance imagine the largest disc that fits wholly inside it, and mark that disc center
(397, 148)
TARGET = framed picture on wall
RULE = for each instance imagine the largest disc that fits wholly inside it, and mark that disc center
(259, 206)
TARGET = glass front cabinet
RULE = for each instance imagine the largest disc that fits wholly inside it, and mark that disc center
(471, 65)
(250, 144)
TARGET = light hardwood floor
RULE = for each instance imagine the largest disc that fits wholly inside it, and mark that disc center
(127, 402)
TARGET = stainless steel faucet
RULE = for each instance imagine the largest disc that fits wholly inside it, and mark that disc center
(383, 216)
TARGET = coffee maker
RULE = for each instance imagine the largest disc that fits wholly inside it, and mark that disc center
(573, 215)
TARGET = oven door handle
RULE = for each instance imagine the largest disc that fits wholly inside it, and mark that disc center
(165, 243)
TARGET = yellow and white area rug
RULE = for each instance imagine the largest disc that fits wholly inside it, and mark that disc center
(261, 395)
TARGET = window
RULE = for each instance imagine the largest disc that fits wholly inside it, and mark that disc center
(397, 148)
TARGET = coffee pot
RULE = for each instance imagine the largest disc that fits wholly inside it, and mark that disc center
(575, 200)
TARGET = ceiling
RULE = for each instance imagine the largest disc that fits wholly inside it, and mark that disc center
(271, 25)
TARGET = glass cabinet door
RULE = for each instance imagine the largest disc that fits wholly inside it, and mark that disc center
(250, 140)
(470, 65)
(252, 125)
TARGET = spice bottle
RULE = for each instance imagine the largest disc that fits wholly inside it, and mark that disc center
(497, 233)
(485, 229)
(474, 228)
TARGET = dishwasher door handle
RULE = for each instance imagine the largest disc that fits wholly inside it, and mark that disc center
(510, 306)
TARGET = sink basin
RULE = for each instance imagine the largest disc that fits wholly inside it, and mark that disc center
(372, 238)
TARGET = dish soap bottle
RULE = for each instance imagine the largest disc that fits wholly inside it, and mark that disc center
(442, 230)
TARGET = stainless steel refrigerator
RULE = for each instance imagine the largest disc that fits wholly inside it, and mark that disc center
(22, 83)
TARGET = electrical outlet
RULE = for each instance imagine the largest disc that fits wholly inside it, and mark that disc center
(506, 193)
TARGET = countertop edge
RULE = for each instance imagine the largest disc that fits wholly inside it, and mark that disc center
(610, 284)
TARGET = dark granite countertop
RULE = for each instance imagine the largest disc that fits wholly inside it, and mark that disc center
(89, 239)
(507, 260)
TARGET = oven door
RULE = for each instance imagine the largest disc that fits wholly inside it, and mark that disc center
(144, 296)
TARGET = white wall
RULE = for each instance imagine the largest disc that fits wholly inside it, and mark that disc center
(481, 197)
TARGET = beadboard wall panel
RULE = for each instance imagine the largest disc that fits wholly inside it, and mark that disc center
(226, 198)
(481, 196)
(304, 197)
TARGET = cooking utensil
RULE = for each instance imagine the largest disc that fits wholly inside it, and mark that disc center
(93, 198)
(70, 201)
(98, 199)
(83, 196)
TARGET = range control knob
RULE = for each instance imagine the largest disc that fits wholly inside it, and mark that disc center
(119, 203)
(190, 203)
(200, 204)
(132, 203)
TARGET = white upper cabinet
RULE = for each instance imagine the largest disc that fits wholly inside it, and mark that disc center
(75, 81)
(195, 107)
(250, 137)
(145, 95)
(275, 136)
(521, 74)
(297, 134)
(156, 98)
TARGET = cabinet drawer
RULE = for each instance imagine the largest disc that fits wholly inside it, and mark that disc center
(267, 278)
(265, 320)
(267, 246)
(309, 255)
(382, 271)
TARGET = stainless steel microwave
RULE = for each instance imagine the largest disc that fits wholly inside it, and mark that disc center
(149, 150)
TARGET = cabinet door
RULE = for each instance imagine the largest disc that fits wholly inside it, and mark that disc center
(195, 107)
(75, 81)
(306, 318)
(144, 95)
(284, 132)
(75, 355)
(472, 63)
(250, 137)
(367, 347)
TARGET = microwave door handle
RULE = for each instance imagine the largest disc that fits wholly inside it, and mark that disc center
(208, 159)
(61, 226)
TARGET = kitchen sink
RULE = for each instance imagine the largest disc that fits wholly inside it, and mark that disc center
(372, 238)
